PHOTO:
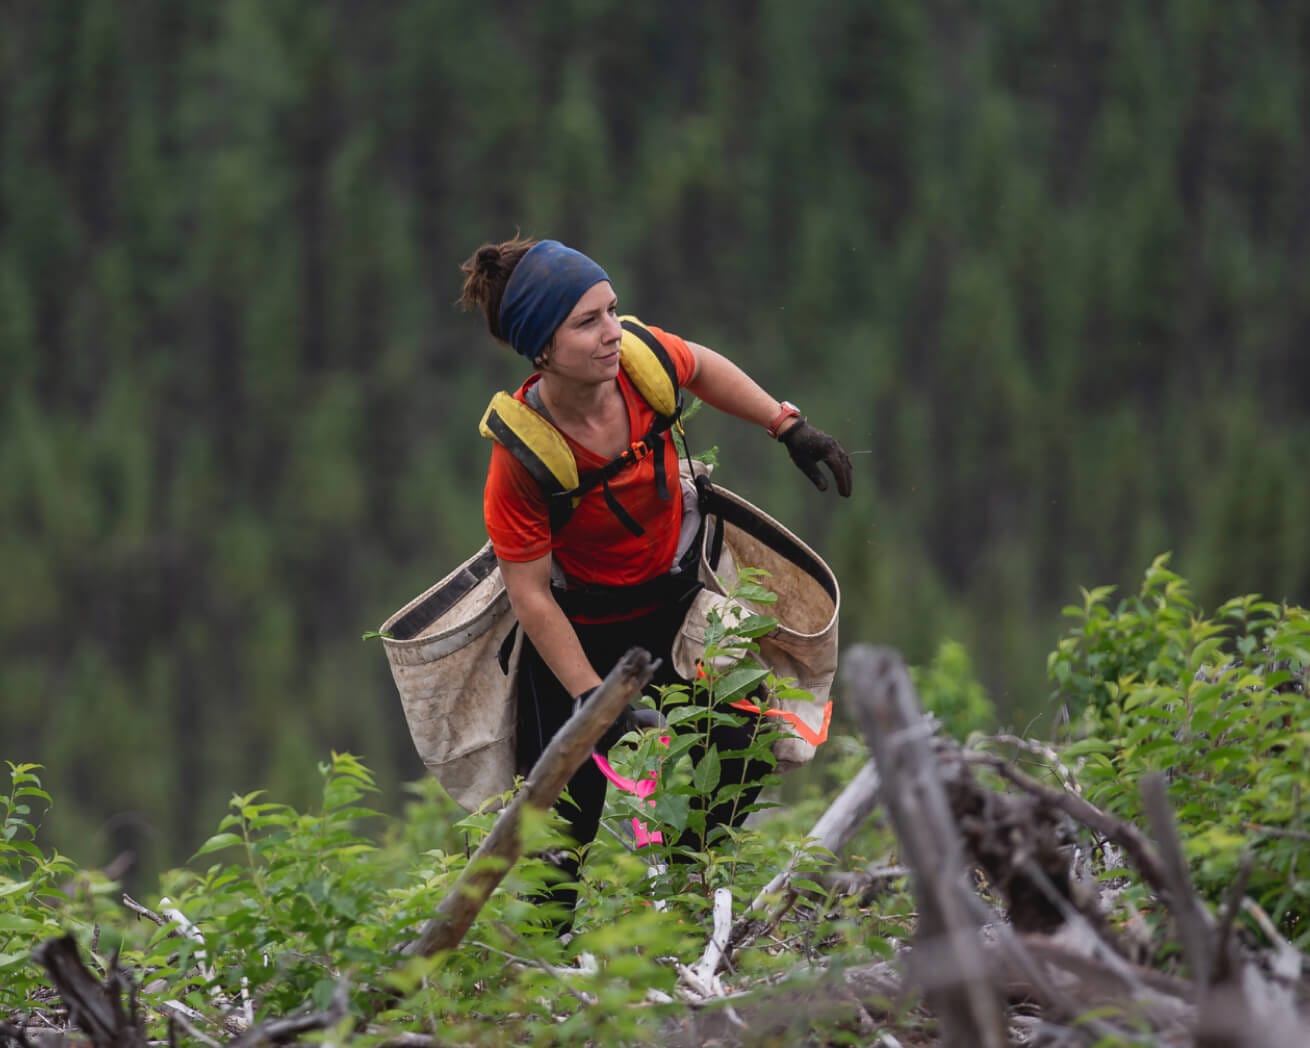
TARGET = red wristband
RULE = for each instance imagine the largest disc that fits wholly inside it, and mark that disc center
(787, 411)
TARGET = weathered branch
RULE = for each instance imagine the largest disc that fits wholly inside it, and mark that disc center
(703, 976)
(1193, 921)
(1125, 834)
(97, 1009)
(960, 991)
(502, 846)
(278, 1031)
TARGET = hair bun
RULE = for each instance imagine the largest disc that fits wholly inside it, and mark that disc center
(488, 259)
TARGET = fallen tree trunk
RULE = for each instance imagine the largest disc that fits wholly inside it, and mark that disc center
(960, 992)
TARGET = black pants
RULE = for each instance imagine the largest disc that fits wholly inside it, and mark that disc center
(544, 706)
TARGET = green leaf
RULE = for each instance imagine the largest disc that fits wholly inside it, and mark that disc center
(218, 842)
(672, 809)
(683, 713)
(754, 626)
(12, 922)
(706, 776)
(738, 682)
(755, 594)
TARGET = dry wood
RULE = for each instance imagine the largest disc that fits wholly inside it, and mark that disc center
(278, 1031)
(502, 846)
(1193, 922)
(703, 976)
(97, 1009)
(955, 981)
(1124, 834)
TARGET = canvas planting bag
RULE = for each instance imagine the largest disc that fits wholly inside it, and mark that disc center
(455, 668)
(803, 647)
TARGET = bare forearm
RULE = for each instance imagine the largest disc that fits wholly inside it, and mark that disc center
(723, 385)
(555, 639)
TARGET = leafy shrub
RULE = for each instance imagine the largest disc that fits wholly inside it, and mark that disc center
(32, 897)
(948, 688)
(1216, 704)
(292, 904)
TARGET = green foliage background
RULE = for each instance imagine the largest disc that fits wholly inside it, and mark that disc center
(1045, 260)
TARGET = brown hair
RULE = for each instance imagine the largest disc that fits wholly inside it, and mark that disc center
(486, 272)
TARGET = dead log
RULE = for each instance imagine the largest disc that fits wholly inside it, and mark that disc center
(502, 846)
(947, 962)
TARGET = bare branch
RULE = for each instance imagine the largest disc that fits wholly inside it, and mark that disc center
(1193, 921)
(831, 832)
(502, 846)
(97, 1009)
(277, 1031)
(1125, 834)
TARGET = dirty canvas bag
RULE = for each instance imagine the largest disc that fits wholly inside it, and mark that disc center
(454, 656)
(802, 647)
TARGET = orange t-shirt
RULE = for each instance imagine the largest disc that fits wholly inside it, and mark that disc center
(594, 547)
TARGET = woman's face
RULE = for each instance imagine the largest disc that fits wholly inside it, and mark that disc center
(585, 347)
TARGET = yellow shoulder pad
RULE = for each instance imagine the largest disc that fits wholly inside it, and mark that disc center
(537, 444)
(648, 366)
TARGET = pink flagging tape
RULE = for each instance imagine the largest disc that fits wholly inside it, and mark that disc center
(642, 788)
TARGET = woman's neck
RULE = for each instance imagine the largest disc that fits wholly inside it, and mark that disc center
(578, 403)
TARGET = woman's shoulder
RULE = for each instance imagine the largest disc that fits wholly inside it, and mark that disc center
(684, 360)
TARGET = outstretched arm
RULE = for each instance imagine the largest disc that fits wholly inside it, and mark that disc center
(723, 385)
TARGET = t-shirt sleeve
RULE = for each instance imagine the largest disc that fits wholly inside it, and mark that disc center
(684, 361)
(514, 509)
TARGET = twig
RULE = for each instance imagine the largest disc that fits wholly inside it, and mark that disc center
(147, 913)
(1040, 749)
(1287, 962)
(587, 966)
(409, 1040)
(705, 971)
(1278, 831)
(177, 1013)
(273, 1031)
(93, 1007)
(1231, 908)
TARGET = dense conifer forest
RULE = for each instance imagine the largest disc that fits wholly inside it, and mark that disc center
(1040, 265)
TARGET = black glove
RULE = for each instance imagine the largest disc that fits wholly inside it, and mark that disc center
(808, 447)
(633, 718)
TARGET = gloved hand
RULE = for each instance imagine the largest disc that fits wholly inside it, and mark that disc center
(633, 718)
(808, 447)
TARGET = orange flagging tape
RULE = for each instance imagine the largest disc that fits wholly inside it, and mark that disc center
(814, 738)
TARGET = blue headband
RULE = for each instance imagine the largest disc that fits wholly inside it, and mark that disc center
(543, 289)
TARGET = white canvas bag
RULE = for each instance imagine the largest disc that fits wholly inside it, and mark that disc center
(804, 644)
(457, 677)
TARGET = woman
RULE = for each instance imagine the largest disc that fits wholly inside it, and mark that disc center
(605, 579)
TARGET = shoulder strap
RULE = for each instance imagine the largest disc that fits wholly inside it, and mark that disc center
(539, 447)
(648, 364)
